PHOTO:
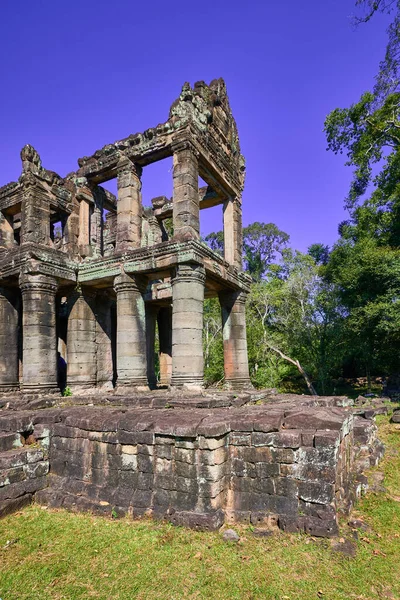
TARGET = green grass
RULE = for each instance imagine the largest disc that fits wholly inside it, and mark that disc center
(59, 555)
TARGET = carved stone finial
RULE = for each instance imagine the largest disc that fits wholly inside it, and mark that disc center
(30, 159)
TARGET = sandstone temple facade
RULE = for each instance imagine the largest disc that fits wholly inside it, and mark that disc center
(86, 277)
(86, 281)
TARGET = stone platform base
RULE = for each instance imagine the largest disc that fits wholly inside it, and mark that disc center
(199, 461)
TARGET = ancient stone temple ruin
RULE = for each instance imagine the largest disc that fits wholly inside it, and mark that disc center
(86, 277)
(87, 280)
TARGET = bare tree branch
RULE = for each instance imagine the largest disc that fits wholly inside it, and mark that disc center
(298, 366)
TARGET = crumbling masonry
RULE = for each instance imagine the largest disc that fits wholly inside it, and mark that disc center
(86, 281)
(86, 277)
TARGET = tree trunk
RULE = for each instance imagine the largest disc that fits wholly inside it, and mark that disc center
(368, 380)
(296, 363)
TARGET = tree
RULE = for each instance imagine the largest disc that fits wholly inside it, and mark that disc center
(262, 242)
(216, 241)
(367, 275)
(294, 315)
(319, 252)
(365, 263)
(371, 138)
(212, 341)
(369, 130)
(387, 80)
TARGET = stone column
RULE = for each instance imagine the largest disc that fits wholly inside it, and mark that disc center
(105, 365)
(155, 232)
(129, 206)
(35, 211)
(81, 340)
(187, 326)
(185, 206)
(85, 199)
(233, 236)
(96, 223)
(131, 332)
(164, 320)
(236, 364)
(9, 368)
(151, 319)
(39, 338)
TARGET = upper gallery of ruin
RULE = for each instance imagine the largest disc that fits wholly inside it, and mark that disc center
(80, 218)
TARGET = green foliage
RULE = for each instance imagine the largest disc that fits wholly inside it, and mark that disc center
(319, 252)
(294, 312)
(262, 242)
(212, 342)
(67, 392)
(216, 241)
(367, 276)
(370, 137)
(364, 265)
(168, 225)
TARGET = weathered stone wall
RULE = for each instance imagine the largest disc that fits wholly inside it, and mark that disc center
(275, 465)
(200, 468)
(24, 462)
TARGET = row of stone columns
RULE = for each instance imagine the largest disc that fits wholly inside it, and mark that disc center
(186, 205)
(136, 328)
(90, 360)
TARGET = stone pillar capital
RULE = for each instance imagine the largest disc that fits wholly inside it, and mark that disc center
(37, 283)
(125, 283)
(237, 200)
(84, 194)
(190, 272)
(184, 145)
(125, 165)
(153, 221)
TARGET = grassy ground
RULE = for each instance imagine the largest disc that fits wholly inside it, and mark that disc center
(58, 555)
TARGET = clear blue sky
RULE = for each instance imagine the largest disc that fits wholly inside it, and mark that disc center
(79, 74)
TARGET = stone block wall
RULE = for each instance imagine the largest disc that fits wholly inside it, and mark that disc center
(201, 468)
(269, 466)
(24, 465)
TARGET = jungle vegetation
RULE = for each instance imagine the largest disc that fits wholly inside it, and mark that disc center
(319, 317)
